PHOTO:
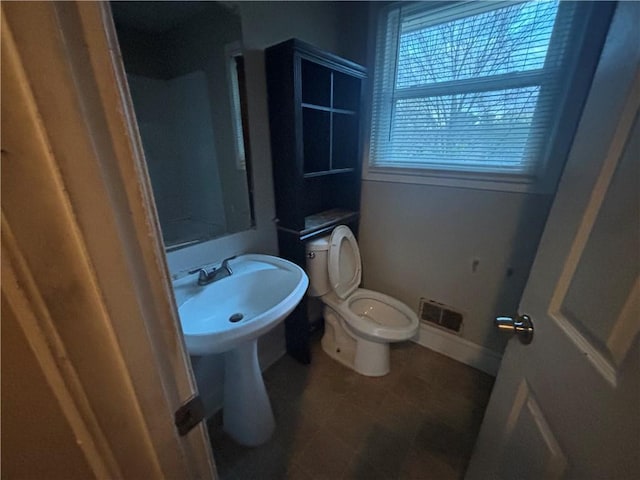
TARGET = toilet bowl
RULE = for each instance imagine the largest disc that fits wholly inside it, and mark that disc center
(359, 323)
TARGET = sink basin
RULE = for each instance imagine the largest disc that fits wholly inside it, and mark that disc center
(261, 292)
(227, 316)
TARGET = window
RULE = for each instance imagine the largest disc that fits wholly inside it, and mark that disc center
(469, 90)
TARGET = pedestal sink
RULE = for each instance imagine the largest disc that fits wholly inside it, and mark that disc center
(227, 316)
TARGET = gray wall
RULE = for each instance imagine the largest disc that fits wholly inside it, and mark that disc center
(420, 241)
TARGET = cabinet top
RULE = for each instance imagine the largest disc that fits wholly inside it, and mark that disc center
(295, 45)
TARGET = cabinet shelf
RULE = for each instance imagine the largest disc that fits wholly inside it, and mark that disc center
(343, 111)
(323, 173)
(321, 223)
(324, 221)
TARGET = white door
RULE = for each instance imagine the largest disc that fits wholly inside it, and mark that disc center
(568, 404)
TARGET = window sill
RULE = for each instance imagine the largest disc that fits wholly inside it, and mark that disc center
(503, 183)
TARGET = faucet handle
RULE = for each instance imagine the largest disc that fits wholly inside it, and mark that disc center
(202, 273)
(195, 270)
(204, 277)
(225, 264)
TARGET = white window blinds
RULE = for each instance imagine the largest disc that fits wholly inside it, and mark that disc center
(473, 87)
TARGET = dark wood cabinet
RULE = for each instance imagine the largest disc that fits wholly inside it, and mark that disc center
(315, 100)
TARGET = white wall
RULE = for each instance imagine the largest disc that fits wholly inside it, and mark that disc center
(327, 25)
(420, 241)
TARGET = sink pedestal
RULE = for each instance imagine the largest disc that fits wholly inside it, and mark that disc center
(247, 414)
(227, 317)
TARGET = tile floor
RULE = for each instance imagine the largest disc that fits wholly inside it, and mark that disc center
(418, 422)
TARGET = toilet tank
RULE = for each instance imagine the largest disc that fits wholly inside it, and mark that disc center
(317, 266)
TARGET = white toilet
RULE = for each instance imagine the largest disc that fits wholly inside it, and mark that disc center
(359, 323)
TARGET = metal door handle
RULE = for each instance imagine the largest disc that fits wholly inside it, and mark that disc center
(521, 326)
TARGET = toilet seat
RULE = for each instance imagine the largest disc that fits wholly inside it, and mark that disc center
(376, 315)
(345, 265)
(385, 318)
(367, 313)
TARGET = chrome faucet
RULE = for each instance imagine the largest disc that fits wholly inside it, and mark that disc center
(206, 277)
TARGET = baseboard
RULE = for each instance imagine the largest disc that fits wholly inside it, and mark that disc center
(459, 349)
(212, 402)
(269, 358)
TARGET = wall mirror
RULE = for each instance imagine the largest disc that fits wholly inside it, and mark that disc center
(185, 71)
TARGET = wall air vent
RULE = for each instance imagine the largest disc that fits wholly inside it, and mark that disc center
(441, 315)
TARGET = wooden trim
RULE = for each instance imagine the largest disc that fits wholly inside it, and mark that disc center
(78, 201)
(64, 281)
(21, 292)
(161, 318)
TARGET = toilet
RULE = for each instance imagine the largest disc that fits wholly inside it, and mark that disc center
(359, 324)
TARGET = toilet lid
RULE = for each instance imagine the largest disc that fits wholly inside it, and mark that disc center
(345, 267)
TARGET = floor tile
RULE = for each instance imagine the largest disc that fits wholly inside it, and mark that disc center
(326, 456)
(421, 466)
(399, 416)
(384, 451)
(349, 423)
(446, 442)
(367, 394)
(296, 472)
(419, 421)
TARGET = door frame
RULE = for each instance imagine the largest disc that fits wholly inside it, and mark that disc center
(96, 204)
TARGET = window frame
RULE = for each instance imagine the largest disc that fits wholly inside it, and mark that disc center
(546, 174)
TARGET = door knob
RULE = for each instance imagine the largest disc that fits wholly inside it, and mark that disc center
(521, 326)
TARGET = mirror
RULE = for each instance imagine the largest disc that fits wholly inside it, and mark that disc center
(185, 71)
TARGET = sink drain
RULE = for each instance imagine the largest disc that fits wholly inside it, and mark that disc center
(236, 317)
